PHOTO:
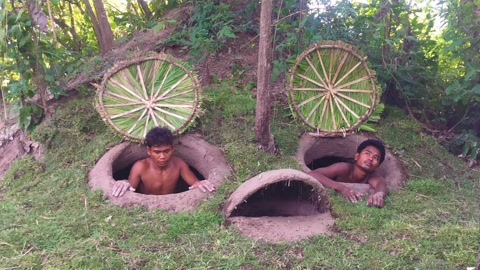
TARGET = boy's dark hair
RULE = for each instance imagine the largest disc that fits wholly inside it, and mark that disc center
(375, 143)
(159, 136)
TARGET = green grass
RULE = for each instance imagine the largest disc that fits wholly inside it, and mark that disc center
(49, 219)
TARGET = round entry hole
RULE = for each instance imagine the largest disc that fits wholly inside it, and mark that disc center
(281, 199)
(316, 152)
(205, 160)
(280, 206)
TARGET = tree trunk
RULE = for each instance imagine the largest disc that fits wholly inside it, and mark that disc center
(146, 10)
(39, 70)
(101, 26)
(264, 75)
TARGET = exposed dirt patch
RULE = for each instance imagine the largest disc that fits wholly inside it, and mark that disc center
(316, 150)
(280, 206)
(15, 145)
(207, 159)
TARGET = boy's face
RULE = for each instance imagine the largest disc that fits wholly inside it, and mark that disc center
(368, 159)
(161, 155)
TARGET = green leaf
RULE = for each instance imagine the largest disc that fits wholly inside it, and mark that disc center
(159, 27)
(226, 31)
(476, 89)
(50, 78)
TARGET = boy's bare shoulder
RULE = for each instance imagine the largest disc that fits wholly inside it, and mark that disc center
(179, 161)
(342, 166)
(142, 163)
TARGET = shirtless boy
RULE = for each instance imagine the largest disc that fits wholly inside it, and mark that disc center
(370, 154)
(159, 173)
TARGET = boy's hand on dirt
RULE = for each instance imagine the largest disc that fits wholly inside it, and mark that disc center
(376, 199)
(120, 187)
(351, 195)
(203, 185)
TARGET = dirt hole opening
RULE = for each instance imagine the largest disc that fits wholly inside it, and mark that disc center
(182, 186)
(281, 199)
(204, 159)
(317, 152)
(327, 161)
(280, 206)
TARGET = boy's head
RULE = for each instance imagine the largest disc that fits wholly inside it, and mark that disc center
(375, 143)
(159, 136)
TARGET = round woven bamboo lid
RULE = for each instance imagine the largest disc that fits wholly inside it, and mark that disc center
(146, 92)
(332, 89)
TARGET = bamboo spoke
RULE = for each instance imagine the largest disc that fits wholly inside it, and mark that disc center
(174, 106)
(341, 111)
(154, 118)
(137, 122)
(154, 78)
(316, 72)
(354, 100)
(142, 82)
(323, 68)
(348, 73)
(330, 67)
(310, 89)
(310, 99)
(365, 78)
(308, 79)
(164, 121)
(145, 128)
(122, 105)
(348, 108)
(170, 113)
(117, 83)
(332, 113)
(315, 108)
(323, 113)
(126, 113)
(130, 80)
(175, 85)
(115, 95)
(354, 91)
(339, 68)
(173, 96)
(163, 82)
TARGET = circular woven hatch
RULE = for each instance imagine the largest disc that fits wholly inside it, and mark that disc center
(140, 94)
(331, 88)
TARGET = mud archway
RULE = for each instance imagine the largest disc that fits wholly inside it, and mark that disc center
(315, 152)
(205, 158)
(280, 206)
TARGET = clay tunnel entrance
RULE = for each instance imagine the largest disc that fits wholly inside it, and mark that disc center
(316, 152)
(205, 160)
(281, 199)
(182, 186)
(280, 206)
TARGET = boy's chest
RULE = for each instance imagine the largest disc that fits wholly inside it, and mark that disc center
(164, 180)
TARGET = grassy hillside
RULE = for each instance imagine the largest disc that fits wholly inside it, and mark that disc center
(49, 218)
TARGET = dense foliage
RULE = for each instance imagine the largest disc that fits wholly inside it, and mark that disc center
(425, 54)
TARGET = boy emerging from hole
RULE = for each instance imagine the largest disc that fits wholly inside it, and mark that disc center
(158, 174)
(370, 154)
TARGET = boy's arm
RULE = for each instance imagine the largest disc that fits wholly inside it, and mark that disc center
(326, 174)
(192, 179)
(121, 186)
(380, 187)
